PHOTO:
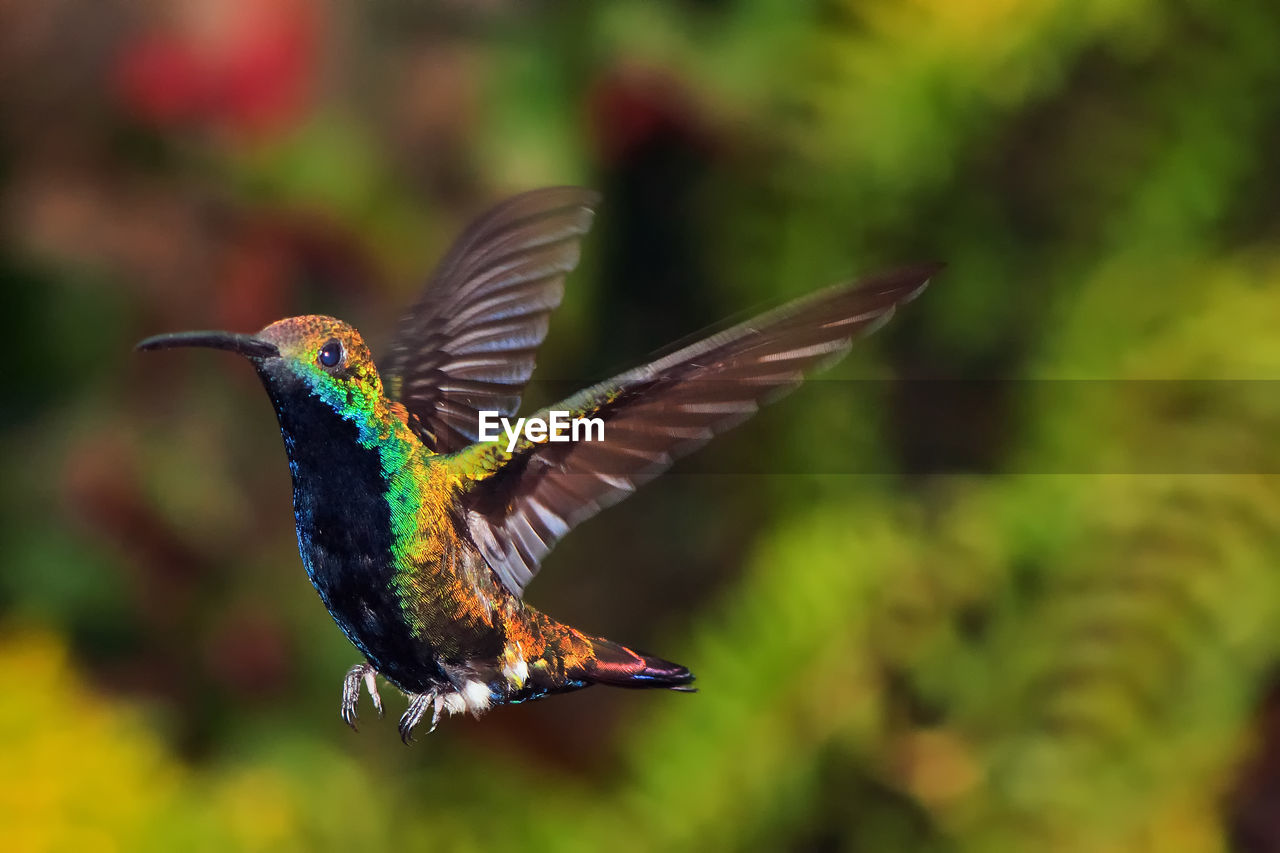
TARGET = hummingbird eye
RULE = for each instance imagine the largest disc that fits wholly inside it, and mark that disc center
(330, 354)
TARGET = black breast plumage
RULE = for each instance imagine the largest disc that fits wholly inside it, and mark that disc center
(344, 533)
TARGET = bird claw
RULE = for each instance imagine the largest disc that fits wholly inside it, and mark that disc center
(418, 705)
(351, 692)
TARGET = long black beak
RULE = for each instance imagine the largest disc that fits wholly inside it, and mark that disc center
(246, 345)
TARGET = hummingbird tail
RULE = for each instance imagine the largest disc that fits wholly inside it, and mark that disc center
(619, 666)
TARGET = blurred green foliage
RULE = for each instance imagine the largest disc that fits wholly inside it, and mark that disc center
(1045, 622)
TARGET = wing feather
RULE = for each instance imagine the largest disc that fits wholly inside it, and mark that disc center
(469, 342)
(525, 500)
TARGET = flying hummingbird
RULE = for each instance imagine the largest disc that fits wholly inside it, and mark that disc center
(419, 536)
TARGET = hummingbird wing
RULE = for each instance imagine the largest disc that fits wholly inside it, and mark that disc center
(468, 343)
(524, 500)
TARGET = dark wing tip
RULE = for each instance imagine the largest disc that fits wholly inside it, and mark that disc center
(916, 279)
(893, 289)
(563, 196)
(585, 195)
(910, 280)
(927, 271)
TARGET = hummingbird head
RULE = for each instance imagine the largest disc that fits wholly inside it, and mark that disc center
(312, 355)
(326, 354)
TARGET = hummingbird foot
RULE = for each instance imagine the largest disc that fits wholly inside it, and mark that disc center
(351, 692)
(419, 703)
(474, 697)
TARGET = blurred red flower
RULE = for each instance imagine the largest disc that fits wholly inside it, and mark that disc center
(247, 66)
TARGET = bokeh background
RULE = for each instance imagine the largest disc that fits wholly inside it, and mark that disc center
(1006, 579)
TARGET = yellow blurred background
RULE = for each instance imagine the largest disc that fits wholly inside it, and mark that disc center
(1007, 579)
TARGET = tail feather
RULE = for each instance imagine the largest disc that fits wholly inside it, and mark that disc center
(619, 666)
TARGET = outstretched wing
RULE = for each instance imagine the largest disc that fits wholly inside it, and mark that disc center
(470, 340)
(525, 500)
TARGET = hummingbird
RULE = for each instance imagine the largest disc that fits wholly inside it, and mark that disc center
(420, 536)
